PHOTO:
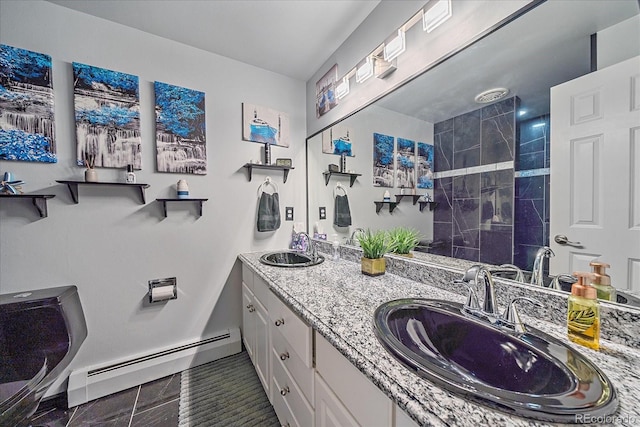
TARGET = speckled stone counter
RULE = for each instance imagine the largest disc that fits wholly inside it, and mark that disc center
(338, 301)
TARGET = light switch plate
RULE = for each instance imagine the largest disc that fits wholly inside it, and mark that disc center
(288, 213)
(323, 212)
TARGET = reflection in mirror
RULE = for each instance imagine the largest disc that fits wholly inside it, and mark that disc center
(492, 161)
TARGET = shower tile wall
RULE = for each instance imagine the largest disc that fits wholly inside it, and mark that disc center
(531, 227)
(474, 191)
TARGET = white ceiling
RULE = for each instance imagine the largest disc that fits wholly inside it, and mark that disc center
(289, 37)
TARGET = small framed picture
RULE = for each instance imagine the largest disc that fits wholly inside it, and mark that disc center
(283, 162)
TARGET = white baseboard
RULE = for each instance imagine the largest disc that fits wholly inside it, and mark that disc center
(97, 381)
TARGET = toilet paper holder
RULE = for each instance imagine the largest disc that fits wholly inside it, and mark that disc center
(163, 289)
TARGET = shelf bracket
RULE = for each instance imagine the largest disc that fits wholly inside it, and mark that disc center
(41, 205)
(352, 179)
(73, 189)
(432, 205)
(392, 206)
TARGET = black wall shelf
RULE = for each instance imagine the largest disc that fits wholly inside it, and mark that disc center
(352, 176)
(401, 196)
(38, 200)
(285, 169)
(432, 205)
(73, 187)
(379, 205)
(198, 201)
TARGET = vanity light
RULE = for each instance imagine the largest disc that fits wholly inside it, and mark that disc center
(342, 89)
(364, 70)
(436, 15)
(394, 47)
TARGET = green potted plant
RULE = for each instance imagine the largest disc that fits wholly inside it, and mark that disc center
(402, 240)
(374, 245)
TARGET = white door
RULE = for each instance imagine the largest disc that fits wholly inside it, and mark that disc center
(595, 173)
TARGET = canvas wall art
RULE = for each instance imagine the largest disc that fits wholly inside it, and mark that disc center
(405, 163)
(326, 92)
(181, 142)
(26, 106)
(424, 165)
(338, 140)
(383, 160)
(265, 125)
(107, 110)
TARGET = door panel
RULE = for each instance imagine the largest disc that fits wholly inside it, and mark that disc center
(595, 172)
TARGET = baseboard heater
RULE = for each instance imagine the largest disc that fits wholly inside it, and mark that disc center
(97, 381)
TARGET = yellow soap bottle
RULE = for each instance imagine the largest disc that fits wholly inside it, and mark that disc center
(602, 281)
(583, 315)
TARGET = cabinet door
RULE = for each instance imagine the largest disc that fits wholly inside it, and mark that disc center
(261, 349)
(330, 412)
(248, 324)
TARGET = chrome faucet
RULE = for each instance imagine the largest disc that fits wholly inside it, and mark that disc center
(489, 310)
(312, 250)
(352, 240)
(537, 275)
(513, 271)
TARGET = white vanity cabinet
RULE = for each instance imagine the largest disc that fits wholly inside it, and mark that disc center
(255, 324)
(350, 397)
(308, 385)
(291, 365)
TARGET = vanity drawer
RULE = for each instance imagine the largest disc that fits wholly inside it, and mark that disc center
(261, 290)
(280, 406)
(293, 329)
(301, 373)
(247, 276)
(288, 390)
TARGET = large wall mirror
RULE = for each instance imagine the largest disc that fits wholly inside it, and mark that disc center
(491, 170)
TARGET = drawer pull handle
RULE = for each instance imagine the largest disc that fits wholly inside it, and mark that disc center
(284, 356)
(279, 322)
(251, 308)
(286, 425)
(284, 391)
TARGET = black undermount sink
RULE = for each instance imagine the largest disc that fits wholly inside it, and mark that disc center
(529, 374)
(290, 259)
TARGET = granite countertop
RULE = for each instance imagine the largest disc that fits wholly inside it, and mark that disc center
(338, 301)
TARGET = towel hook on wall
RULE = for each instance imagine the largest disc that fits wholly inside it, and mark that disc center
(338, 188)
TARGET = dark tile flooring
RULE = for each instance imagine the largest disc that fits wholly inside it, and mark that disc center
(153, 404)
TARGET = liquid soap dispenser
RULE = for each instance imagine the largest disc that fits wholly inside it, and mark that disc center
(602, 281)
(583, 315)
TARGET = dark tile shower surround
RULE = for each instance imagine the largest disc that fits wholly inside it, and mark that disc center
(474, 218)
(498, 216)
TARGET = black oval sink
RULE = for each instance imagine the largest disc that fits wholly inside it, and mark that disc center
(529, 374)
(290, 259)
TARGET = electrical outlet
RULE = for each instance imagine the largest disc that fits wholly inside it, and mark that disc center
(288, 213)
(323, 212)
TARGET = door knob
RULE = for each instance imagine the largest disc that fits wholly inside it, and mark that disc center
(564, 240)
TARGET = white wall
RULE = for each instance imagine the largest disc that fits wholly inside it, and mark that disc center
(109, 244)
(469, 20)
(619, 42)
(362, 195)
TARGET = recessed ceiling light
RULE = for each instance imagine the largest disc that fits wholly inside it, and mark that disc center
(491, 95)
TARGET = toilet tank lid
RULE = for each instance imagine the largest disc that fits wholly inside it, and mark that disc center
(26, 300)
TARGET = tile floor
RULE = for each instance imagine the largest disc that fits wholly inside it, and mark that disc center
(153, 404)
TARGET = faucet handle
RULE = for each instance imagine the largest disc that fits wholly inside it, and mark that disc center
(472, 299)
(511, 316)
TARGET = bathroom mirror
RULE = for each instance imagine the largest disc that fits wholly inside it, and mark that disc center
(528, 56)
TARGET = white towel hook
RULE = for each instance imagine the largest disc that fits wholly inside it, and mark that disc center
(338, 188)
(267, 182)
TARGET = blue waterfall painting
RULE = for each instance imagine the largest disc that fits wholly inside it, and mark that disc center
(382, 160)
(107, 114)
(181, 141)
(424, 166)
(26, 106)
(405, 159)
